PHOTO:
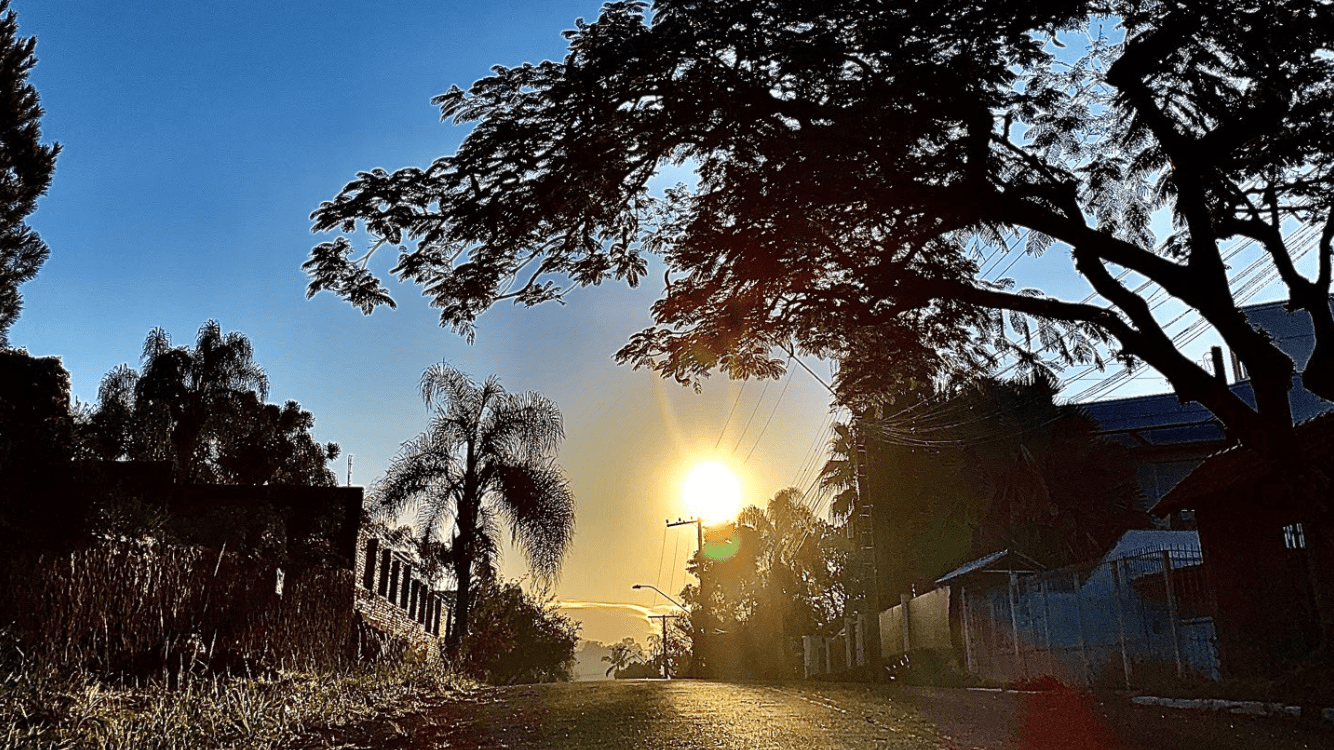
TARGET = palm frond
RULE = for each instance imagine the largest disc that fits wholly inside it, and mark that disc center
(535, 501)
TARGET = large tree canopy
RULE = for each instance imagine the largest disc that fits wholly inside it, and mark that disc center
(989, 466)
(784, 581)
(851, 156)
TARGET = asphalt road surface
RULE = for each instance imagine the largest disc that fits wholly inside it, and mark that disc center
(807, 716)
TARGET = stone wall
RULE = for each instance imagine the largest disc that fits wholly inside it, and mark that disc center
(393, 596)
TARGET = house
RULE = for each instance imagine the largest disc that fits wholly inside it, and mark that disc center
(1267, 543)
(1262, 542)
(1169, 439)
(1142, 612)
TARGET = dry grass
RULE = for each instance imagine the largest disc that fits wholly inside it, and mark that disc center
(133, 612)
(126, 646)
(42, 710)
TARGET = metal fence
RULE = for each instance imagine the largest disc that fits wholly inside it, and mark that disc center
(1121, 622)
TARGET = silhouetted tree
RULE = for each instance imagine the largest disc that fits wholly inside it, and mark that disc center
(203, 409)
(624, 654)
(784, 581)
(486, 459)
(855, 161)
(36, 438)
(986, 466)
(26, 166)
(674, 654)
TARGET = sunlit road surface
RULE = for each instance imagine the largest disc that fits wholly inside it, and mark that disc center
(808, 716)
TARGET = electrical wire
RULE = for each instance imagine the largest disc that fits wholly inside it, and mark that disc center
(753, 412)
(735, 402)
(772, 412)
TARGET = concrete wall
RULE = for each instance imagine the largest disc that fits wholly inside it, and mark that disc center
(927, 621)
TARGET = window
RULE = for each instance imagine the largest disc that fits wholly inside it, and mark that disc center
(1294, 537)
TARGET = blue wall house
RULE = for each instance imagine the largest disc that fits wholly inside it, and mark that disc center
(1263, 543)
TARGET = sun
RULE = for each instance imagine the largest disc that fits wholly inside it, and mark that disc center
(712, 492)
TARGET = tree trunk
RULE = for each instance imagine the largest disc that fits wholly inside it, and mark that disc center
(462, 603)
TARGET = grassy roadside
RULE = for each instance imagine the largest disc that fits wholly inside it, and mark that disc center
(46, 710)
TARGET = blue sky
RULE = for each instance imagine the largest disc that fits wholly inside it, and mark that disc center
(198, 137)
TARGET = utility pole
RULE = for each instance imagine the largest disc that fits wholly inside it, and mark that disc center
(701, 635)
(665, 675)
(863, 522)
(699, 531)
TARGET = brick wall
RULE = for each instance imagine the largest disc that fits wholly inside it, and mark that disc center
(393, 596)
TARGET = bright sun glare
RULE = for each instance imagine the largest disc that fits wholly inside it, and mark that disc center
(712, 492)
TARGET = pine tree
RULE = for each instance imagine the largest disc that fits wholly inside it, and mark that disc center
(26, 166)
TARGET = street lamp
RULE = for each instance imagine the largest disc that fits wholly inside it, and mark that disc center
(663, 618)
(679, 605)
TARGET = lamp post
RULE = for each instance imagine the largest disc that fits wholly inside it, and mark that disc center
(679, 605)
(663, 618)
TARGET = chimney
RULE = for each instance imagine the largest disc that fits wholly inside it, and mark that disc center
(1238, 370)
(1216, 354)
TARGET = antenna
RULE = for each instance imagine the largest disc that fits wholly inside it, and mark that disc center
(349, 470)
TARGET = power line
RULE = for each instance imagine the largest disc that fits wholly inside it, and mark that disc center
(753, 412)
(772, 412)
(735, 402)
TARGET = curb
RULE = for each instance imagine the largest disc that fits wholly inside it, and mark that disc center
(1245, 708)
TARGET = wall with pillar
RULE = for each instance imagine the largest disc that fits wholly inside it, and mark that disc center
(394, 598)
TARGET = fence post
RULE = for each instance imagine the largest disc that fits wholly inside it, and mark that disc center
(385, 560)
(1120, 621)
(405, 589)
(1172, 611)
(848, 625)
(969, 659)
(1079, 623)
(1014, 624)
(368, 563)
(903, 606)
(1046, 625)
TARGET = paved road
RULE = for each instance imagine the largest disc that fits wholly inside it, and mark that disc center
(806, 716)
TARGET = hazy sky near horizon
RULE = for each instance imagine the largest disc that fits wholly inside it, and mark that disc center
(198, 137)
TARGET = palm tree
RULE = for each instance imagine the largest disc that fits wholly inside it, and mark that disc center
(192, 393)
(622, 655)
(486, 459)
(840, 472)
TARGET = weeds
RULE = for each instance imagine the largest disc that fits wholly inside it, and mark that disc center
(136, 612)
(41, 710)
(159, 648)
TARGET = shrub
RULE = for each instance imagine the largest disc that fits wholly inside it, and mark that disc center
(516, 638)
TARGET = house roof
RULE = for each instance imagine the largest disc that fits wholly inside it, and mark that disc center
(1161, 419)
(999, 561)
(1240, 465)
(1180, 543)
